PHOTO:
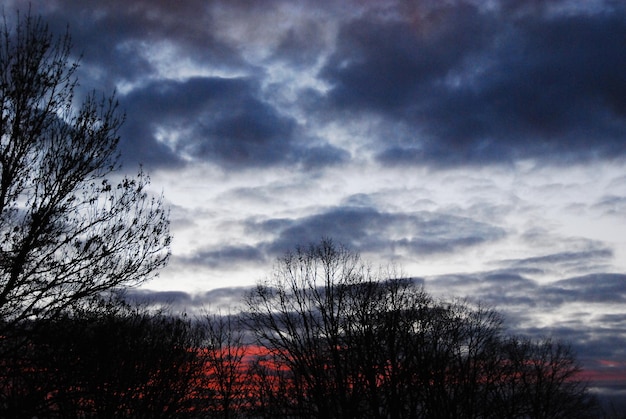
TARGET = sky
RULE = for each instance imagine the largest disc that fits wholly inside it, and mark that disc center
(479, 145)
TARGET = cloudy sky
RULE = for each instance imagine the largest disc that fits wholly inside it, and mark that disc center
(479, 145)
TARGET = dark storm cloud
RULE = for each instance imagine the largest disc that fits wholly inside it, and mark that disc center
(112, 39)
(388, 66)
(172, 105)
(222, 257)
(595, 254)
(301, 46)
(485, 86)
(220, 120)
(368, 230)
(224, 121)
(361, 229)
(113, 35)
(452, 82)
(593, 288)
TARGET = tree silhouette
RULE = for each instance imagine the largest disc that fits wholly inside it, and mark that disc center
(347, 343)
(538, 380)
(108, 360)
(69, 230)
(225, 381)
(297, 315)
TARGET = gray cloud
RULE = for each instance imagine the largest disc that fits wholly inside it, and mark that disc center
(598, 339)
(171, 299)
(612, 205)
(593, 288)
(363, 229)
(509, 289)
(594, 254)
(487, 86)
(368, 230)
(219, 120)
(223, 256)
(455, 83)
(222, 300)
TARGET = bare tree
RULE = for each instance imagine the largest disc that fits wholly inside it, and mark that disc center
(539, 379)
(380, 324)
(68, 229)
(225, 369)
(297, 316)
(343, 342)
(272, 393)
(456, 351)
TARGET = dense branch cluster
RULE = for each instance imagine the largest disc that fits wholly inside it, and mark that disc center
(352, 344)
(68, 230)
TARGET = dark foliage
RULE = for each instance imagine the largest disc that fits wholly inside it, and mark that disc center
(109, 361)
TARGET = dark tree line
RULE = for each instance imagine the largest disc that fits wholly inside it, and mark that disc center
(111, 360)
(351, 343)
(325, 337)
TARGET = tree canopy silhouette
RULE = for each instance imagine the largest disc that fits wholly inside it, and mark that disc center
(71, 227)
(324, 337)
(347, 342)
(109, 359)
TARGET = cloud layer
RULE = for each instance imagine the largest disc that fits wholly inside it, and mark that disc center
(455, 83)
